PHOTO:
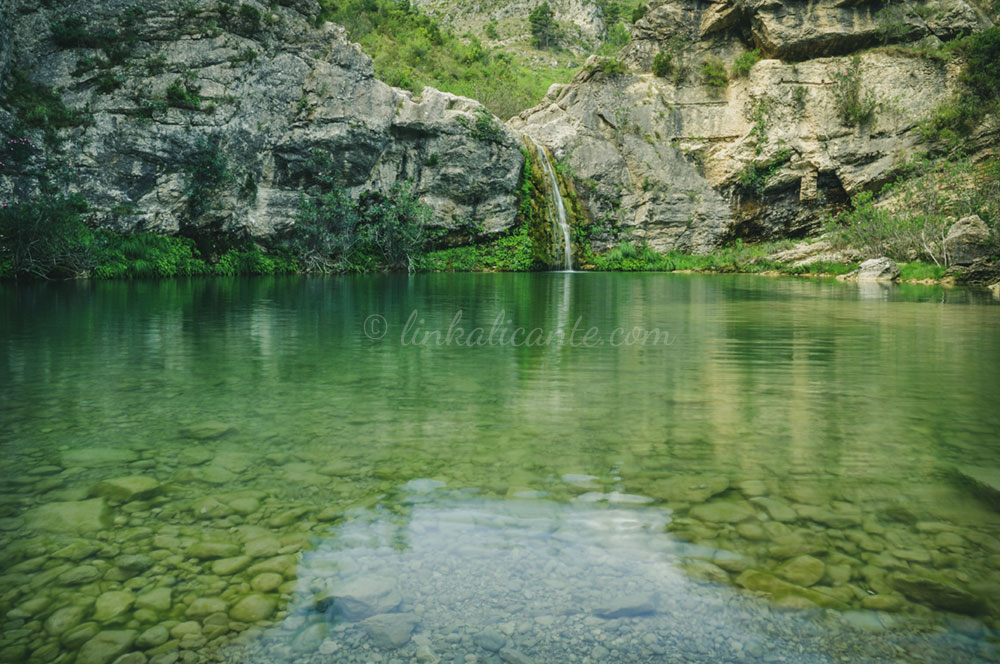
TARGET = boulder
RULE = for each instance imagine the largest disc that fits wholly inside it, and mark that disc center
(626, 606)
(968, 240)
(878, 269)
(939, 594)
(124, 489)
(390, 630)
(106, 646)
(802, 571)
(253, 608)
(984, 481)
(78, 516)
(362, 597)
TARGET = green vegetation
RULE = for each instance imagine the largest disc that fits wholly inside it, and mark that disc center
(920, 271)
(745, 62)
(183, 93)
(512, 252)
(412, 50)
(610, 66)
(855, 105)
(485, 128)
(335, 233)
(753, 178)
(915, 214)
(955, 119)
(713, 73)
(544, 29)
(663, 64)
(38, 107)
(626, 257)
(207, 170)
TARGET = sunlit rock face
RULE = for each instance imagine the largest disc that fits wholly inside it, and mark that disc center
(681, 164)
(269, 98)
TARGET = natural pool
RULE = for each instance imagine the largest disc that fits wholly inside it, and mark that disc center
(285, 470)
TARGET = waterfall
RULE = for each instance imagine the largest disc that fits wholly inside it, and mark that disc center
(560, 227)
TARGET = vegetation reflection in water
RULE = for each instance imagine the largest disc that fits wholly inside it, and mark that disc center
(797, 441)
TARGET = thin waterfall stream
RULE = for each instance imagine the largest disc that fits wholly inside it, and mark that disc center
(560, 227)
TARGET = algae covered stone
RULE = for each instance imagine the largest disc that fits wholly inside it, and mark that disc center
(106, 647)
(803, 571)
(253, 608)
(112, 605)
(125, 489)
(77, 516)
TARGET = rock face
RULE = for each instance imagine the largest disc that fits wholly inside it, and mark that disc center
(268, 97)
(677, 163)
(667, 160)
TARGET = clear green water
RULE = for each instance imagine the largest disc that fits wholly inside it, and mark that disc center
(774, 473)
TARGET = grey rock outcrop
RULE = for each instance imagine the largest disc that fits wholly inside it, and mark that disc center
(877, 269)
(269, 98)
(968, 240)
(680, 164)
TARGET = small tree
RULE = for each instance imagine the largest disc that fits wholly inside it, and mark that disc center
(663, 64)
(544, 29)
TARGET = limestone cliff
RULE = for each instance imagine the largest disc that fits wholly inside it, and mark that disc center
(268, 88)
(680, 163)
(684, 159)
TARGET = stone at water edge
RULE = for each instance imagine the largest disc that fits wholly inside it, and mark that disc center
(156, 635)
(490, 639)
(205, 606)
(390, 630)
(125, 489)
(878, 269)
(722, 511)
(212, 550)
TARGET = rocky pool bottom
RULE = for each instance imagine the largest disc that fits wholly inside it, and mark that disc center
(163, 554)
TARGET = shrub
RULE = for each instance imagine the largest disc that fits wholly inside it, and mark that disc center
(108, 83)
(145, 255)
(918, 212)
(207, 170)
(334, 232)
(45, 237)
(183, 93)
(38, 107)
(610, 66)
(484, 128)
(713, 73)
(663, 64)
(753, 178)
(626, 257)
(745, 62)
(855, 105)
